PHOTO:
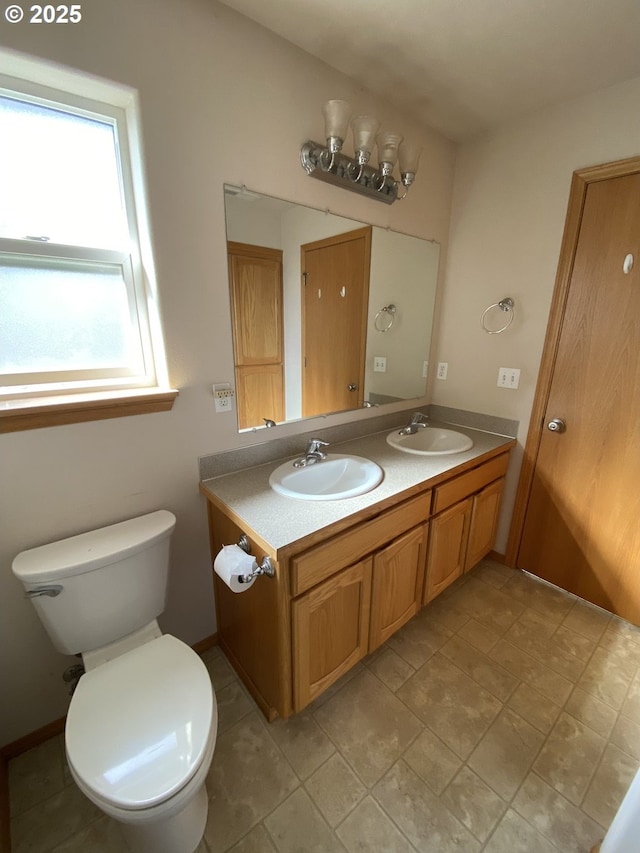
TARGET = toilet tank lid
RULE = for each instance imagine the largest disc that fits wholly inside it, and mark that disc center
(88, 551)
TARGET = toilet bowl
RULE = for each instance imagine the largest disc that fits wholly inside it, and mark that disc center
(140, 737)
(141, 727)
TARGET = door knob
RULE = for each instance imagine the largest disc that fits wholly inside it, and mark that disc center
(556, 425)
(352, 387)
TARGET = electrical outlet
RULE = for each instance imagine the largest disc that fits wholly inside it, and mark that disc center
(223, 397)
(508, 377)
(379, 364)
(441, 373)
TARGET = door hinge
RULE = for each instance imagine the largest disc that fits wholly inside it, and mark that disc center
(304, 279)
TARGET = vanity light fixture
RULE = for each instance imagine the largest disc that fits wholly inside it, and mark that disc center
(329, 163)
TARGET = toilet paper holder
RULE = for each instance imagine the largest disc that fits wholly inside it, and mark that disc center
(266, 567)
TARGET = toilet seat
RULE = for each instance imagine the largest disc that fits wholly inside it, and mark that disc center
(166, 808)
(140, 726)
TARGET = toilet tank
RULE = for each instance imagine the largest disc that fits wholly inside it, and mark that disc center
(105, 583)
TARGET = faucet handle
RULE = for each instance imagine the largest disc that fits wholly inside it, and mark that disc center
(315, 444)
(418, 418)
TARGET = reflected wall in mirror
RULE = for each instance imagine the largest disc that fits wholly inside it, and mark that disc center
(354, 331)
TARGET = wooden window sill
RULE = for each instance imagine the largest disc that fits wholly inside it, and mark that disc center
(18, 415)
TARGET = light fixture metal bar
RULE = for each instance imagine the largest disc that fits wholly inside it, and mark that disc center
(311, 158)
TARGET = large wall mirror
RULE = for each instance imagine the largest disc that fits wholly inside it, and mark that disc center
(328, 314)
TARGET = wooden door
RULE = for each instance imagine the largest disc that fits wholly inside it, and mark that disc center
(485, 510)
(330, 626)
(447, 548)
(255, 279)
(335, 294)
(396, 592)
(581, 527)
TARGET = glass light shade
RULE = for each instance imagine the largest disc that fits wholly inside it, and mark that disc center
(336, 119)
(364, 132)
(387, 143)
(409, 157)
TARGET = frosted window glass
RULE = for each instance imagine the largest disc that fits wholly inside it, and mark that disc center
(59, 177)
(56, 320)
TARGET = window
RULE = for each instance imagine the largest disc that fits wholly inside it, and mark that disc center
(77, 318)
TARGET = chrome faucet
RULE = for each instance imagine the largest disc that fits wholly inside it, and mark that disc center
(418, 421)
(312, 454)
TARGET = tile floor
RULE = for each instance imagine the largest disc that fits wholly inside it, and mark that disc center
(503, 718)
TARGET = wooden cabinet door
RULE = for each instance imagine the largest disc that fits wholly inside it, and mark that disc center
(260, 394)
(484, 520)
(255, 280)
(330, 625)
(398, 578)
(447, 548)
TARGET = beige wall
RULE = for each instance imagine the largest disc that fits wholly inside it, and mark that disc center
(222, 100)
(510, 197)
(404, 272)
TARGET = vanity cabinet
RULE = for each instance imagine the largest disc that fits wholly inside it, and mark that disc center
(344, 618)
(342, 590)
(339, 620)
(348, 616)
(463, 530)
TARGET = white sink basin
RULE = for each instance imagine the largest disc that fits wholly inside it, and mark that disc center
(430, 441)
(334, 478)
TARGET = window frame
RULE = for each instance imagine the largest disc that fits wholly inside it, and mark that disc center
(69, 398)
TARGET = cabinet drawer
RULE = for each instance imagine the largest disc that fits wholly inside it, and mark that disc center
(472, 481)
(321, 562)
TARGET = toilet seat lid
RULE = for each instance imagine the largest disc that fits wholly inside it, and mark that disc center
(138, 725)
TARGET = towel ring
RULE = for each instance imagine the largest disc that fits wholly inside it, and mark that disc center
(507, 304)
(390, 311)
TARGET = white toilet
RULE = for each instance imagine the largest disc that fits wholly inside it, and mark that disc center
(142, 723)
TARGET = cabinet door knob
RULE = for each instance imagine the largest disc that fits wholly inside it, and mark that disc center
(556, 425)
(352, 387)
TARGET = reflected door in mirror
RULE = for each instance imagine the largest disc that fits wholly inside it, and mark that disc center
(335, 274)
(255, 279)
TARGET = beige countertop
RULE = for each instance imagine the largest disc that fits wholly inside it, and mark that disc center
(282, 521)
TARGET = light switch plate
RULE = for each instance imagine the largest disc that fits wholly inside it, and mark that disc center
(508, 377)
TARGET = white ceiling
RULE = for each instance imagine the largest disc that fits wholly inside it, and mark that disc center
(462, 66)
